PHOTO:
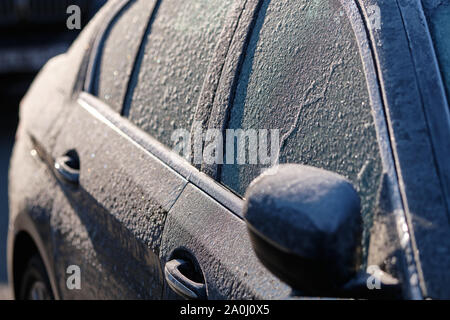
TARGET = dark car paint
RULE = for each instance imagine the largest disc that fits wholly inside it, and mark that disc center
(418, 122)
(62, 79)
(216, 263)
(120, 219)
(61, 209)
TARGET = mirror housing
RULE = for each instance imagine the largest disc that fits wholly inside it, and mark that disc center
(305, 226)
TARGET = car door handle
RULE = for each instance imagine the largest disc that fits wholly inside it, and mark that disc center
(178, 273)
(68, 167)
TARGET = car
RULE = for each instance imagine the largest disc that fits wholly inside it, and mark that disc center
(140, 168)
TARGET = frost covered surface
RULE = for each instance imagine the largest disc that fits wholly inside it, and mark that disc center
(178, 50)
(111, 225)
(303, 75)
(220, 242)
(119, 52)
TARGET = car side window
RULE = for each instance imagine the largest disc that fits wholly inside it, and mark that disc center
(118, 51)
(177, 50)
(302, 74)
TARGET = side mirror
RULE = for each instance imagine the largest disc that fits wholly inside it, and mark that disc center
(305, 226)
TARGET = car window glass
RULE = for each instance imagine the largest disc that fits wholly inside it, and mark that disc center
(303, 75)
(180, 43)
(118, 52)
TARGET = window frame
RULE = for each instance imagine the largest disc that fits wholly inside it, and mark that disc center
(103, 112)
(96, 49)
(359, 21)
(222, 96)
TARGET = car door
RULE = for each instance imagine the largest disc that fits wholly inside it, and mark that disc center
(191, 50)
(117, 141)
(109, 222)
(303, 69)
(205, 252)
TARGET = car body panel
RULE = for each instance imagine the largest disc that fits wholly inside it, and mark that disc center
(30, 209)
(116, 213)
(408, 101)
(218, 239)
(136, 196)
(46, 100)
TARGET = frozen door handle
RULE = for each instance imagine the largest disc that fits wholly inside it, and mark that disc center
(184, 285)
(68, 167)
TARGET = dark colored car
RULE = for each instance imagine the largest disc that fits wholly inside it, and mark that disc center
(104, 206)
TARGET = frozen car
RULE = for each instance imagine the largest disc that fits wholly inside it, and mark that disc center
(103, 205)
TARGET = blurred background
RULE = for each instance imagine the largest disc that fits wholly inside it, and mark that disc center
(31, 32)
